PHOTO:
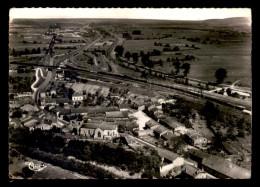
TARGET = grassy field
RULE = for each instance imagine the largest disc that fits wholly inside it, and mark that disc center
(234, 57)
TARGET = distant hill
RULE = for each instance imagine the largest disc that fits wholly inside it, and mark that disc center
(238, 23)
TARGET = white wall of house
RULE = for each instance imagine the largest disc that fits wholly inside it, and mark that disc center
(77, 98)
(176, 163)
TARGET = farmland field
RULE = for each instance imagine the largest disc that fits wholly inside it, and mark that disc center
(234, 57)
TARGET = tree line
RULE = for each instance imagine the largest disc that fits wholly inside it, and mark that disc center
(26, 51)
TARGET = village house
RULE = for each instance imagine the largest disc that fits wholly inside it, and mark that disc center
(99, 130)
(197, 155)
(30, 123)
(77, 97)
(188, 172)
(117, 115)
(166, 136)
(123, 107)
(42, 95)
(62, 100)
(229, 149)
(193, 138)
(158, 131)
(159, 116)
(223, 169)
(151, 124)
(75, 125)
(43, 126)
(171, 123)
(28, 108)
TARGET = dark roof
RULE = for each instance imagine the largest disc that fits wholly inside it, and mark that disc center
(102, 125)
(168, 135)
(170, 121)
(95, 110)
(57, 109)
(129, 140)
(77, 94)
(151, 123)
(147, 105)
(160, 129)
(117, 114)
(193, 134)
(229, 148)
(167, 154)
(124, 105)
(226, 167)
(90, 125)
(65, 112)
(50, 100)
(62, 100)
(198, 153)
(160, 116)
(190, 170)
(78, 110)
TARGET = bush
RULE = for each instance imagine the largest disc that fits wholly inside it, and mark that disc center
(27, 172)
(123, 167)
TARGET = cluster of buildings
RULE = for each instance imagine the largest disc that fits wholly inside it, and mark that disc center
(110, 123)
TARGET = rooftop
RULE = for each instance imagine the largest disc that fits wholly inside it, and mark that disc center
(95, 110)
(226, 167)
(78, 110)
(76, 94)
(160, 129)
(151, 123)
(190, 170)
(117, 114)
(168, 135)
(27, 107)
(62, 100)
(198, 153)
(168, 154)
(102, 125)
(172, 122)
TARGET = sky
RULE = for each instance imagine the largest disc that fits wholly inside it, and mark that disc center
(131, 13)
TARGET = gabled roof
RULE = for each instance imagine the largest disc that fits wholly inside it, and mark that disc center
(102, 126)
(168, 135)
(198, 153)
(90, 125)
(193, 134)
(191, 171)
(65, 112)
(226, 167)
(30, 122)
(28, 107)
(107, 126)
(78, 110)
(117, 114)
(95, 110)
(151, 123)
(77, 94)
(172, 122)
(160, 129)
(168, 154)
(50, 100)
(62, 100)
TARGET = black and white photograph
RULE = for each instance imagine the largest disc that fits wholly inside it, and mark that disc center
(129, 93)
